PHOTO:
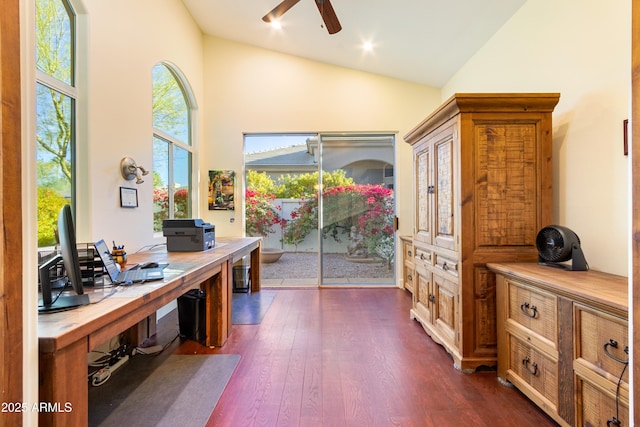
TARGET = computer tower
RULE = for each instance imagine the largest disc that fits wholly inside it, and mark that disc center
(191, 315)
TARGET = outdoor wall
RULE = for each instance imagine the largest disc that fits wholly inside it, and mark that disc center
(581, 49)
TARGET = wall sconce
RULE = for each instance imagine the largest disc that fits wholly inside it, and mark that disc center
(130, 170)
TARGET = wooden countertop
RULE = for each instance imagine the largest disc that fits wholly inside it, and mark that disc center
(594, 287)
(185, 271)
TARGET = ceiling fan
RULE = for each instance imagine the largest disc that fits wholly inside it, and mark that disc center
(324, 6)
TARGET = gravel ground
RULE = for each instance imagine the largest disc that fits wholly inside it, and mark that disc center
(305, 265)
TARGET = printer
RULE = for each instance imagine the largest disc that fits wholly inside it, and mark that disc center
(188, 235)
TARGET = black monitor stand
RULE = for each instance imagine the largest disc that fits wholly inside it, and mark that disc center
(62, 302)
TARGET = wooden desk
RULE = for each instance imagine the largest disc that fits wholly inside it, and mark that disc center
(65, 338)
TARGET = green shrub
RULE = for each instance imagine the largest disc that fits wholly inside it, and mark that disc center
(49, 204)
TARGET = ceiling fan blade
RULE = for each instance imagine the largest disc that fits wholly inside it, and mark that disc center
(279, 10)
(328, 16)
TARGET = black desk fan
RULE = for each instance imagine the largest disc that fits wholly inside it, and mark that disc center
(557, 244)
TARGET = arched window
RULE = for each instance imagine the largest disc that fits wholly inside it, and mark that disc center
(172, 145)
(56, 97)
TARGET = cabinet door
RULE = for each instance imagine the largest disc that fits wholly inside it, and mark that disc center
(445, 308)
(424, 190)
(444, 187)
(507, 197)
(423, 294)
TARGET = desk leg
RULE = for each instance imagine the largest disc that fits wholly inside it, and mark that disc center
(218, 289)
(255, 269)
(63, 391)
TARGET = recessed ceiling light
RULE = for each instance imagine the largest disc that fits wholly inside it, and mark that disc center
(276, 24)
(367, 46)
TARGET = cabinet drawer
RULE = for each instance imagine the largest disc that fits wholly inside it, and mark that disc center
(534, 368)
(595, 407)
(534, 310)
(407, 250)
(423, 256)
(601, 339)
(409, 282)
(446, 265)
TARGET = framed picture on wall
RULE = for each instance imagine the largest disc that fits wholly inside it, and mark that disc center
(222, 185)
(128, 197)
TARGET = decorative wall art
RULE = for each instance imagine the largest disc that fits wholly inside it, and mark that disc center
(222, 184)
(128, 197)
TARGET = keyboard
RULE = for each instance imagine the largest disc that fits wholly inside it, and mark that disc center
(137, 275)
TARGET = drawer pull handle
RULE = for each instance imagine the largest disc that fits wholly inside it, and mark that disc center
(613, 422)
(409, 253)
(525, 363)
(409, 278)
(432, 298)
(529, 310)
(445, 267)
(422, 257)
(613, 343)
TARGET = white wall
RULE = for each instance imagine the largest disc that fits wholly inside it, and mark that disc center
(119, 42)
(582, 49)
(249, 89)
(126, 40)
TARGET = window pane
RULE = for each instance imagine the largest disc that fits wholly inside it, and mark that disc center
(54, 47)
(160, 182)
(54, 128)
(170, 112)
(181, 178)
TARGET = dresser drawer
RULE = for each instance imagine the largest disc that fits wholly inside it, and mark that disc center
(596, 407)
(535, 369)
(534, 309)
(601, 341)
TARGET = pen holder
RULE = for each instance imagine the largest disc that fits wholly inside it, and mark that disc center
(120, 257)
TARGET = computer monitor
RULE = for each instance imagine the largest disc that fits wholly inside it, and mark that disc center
(71, 261)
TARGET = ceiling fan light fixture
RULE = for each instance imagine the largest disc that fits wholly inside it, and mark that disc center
(276, 24)
(329, 18)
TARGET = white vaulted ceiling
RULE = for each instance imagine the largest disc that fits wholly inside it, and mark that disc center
(422, 41)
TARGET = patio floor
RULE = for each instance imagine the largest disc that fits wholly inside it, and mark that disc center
(300, 269)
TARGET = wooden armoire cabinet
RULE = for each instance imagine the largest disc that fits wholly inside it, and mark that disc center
(483, 190)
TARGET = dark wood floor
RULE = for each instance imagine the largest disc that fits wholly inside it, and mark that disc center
(352, 357)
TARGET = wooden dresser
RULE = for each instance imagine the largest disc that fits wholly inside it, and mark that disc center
(483, 189)
(563, 341)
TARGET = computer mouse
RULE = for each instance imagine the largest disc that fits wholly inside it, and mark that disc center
(150, 265)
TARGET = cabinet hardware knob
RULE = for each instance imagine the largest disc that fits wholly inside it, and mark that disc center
(529, 310)
(613, 422)
(409, 253)
(614, 344)
(432, 298)
(409, 277)
(445, 267)
(525, 363)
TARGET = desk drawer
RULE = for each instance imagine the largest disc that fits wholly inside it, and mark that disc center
(534, 309)
(601, 339)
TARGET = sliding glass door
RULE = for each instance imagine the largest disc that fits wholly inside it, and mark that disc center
(324, 203)
(357, 209)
